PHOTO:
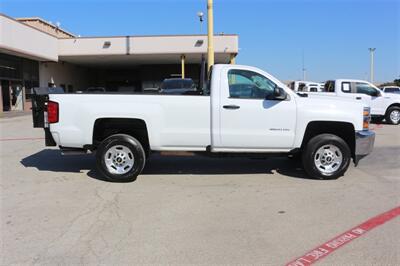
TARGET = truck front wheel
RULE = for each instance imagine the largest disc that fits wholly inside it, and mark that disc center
(120, 158)
(326, 156)
(393, 115)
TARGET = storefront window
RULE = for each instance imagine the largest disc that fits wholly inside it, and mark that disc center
(10, 67)
(21, 70)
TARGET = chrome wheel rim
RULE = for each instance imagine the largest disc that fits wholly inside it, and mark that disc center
(395, 116)
(119, 159)
(328, 159)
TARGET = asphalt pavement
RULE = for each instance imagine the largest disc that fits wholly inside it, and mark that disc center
(190, 210)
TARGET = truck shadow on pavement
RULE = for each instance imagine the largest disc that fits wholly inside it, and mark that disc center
(53, 161)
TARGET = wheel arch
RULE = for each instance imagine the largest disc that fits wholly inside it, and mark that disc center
(344, 130)
(105, 127)
(392, 105)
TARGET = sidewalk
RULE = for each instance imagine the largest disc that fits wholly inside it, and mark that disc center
(12, 114)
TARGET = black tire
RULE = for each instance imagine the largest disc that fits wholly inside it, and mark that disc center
(389, 113)
(331, 142)
(125, 143)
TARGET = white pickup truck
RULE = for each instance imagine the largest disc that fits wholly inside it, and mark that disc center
(245, 111)
(383, 105)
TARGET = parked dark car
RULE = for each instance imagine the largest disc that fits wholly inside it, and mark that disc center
(96, 89)
(178, 86)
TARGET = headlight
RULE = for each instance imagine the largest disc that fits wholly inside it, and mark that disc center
(366, 118)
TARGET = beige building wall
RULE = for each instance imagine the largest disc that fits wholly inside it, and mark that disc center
(18, 39)
(146, 45)
(182, 44)
(62, 56)
(48, 43)
(92, 46)
(63, 73)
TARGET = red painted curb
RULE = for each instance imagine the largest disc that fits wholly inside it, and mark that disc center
(11, 139)
(376, 126)
(329, 247)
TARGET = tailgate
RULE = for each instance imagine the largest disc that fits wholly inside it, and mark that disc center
(40, 96)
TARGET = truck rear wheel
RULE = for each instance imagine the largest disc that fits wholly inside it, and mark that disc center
(120, 158)
(326, 156)
(393, 115)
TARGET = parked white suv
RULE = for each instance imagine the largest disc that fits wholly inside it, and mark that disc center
(245, 111)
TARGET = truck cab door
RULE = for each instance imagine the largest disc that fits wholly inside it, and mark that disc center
(373, 96)
(246, 120)
(349, 90)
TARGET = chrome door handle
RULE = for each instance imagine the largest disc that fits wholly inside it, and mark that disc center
(231, 107)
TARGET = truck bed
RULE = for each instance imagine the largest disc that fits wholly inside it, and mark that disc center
(175, 121)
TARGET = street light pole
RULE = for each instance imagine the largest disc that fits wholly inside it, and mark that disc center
(372, 51)
(210, 35)
(201, 18)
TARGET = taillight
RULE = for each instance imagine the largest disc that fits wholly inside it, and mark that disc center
(52, 112)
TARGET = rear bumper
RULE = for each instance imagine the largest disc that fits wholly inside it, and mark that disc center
(365, 140)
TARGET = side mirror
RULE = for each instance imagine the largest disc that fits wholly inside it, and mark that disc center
(279, 94)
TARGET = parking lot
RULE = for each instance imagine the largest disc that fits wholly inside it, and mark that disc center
(190, 210)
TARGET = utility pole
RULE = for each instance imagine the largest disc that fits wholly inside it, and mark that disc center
(210, 35)
(303, 68)
(183, 57)
(372, 51)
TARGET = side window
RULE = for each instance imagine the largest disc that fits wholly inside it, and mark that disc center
(301, 87)
(330, 86)
(364, 88)
(249, 85)
(346, 87)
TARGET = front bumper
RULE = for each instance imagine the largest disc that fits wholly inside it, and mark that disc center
(365, 140)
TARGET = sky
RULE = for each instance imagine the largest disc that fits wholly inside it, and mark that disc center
(333, 35)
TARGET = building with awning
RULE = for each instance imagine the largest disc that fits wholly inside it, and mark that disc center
(35, 53)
